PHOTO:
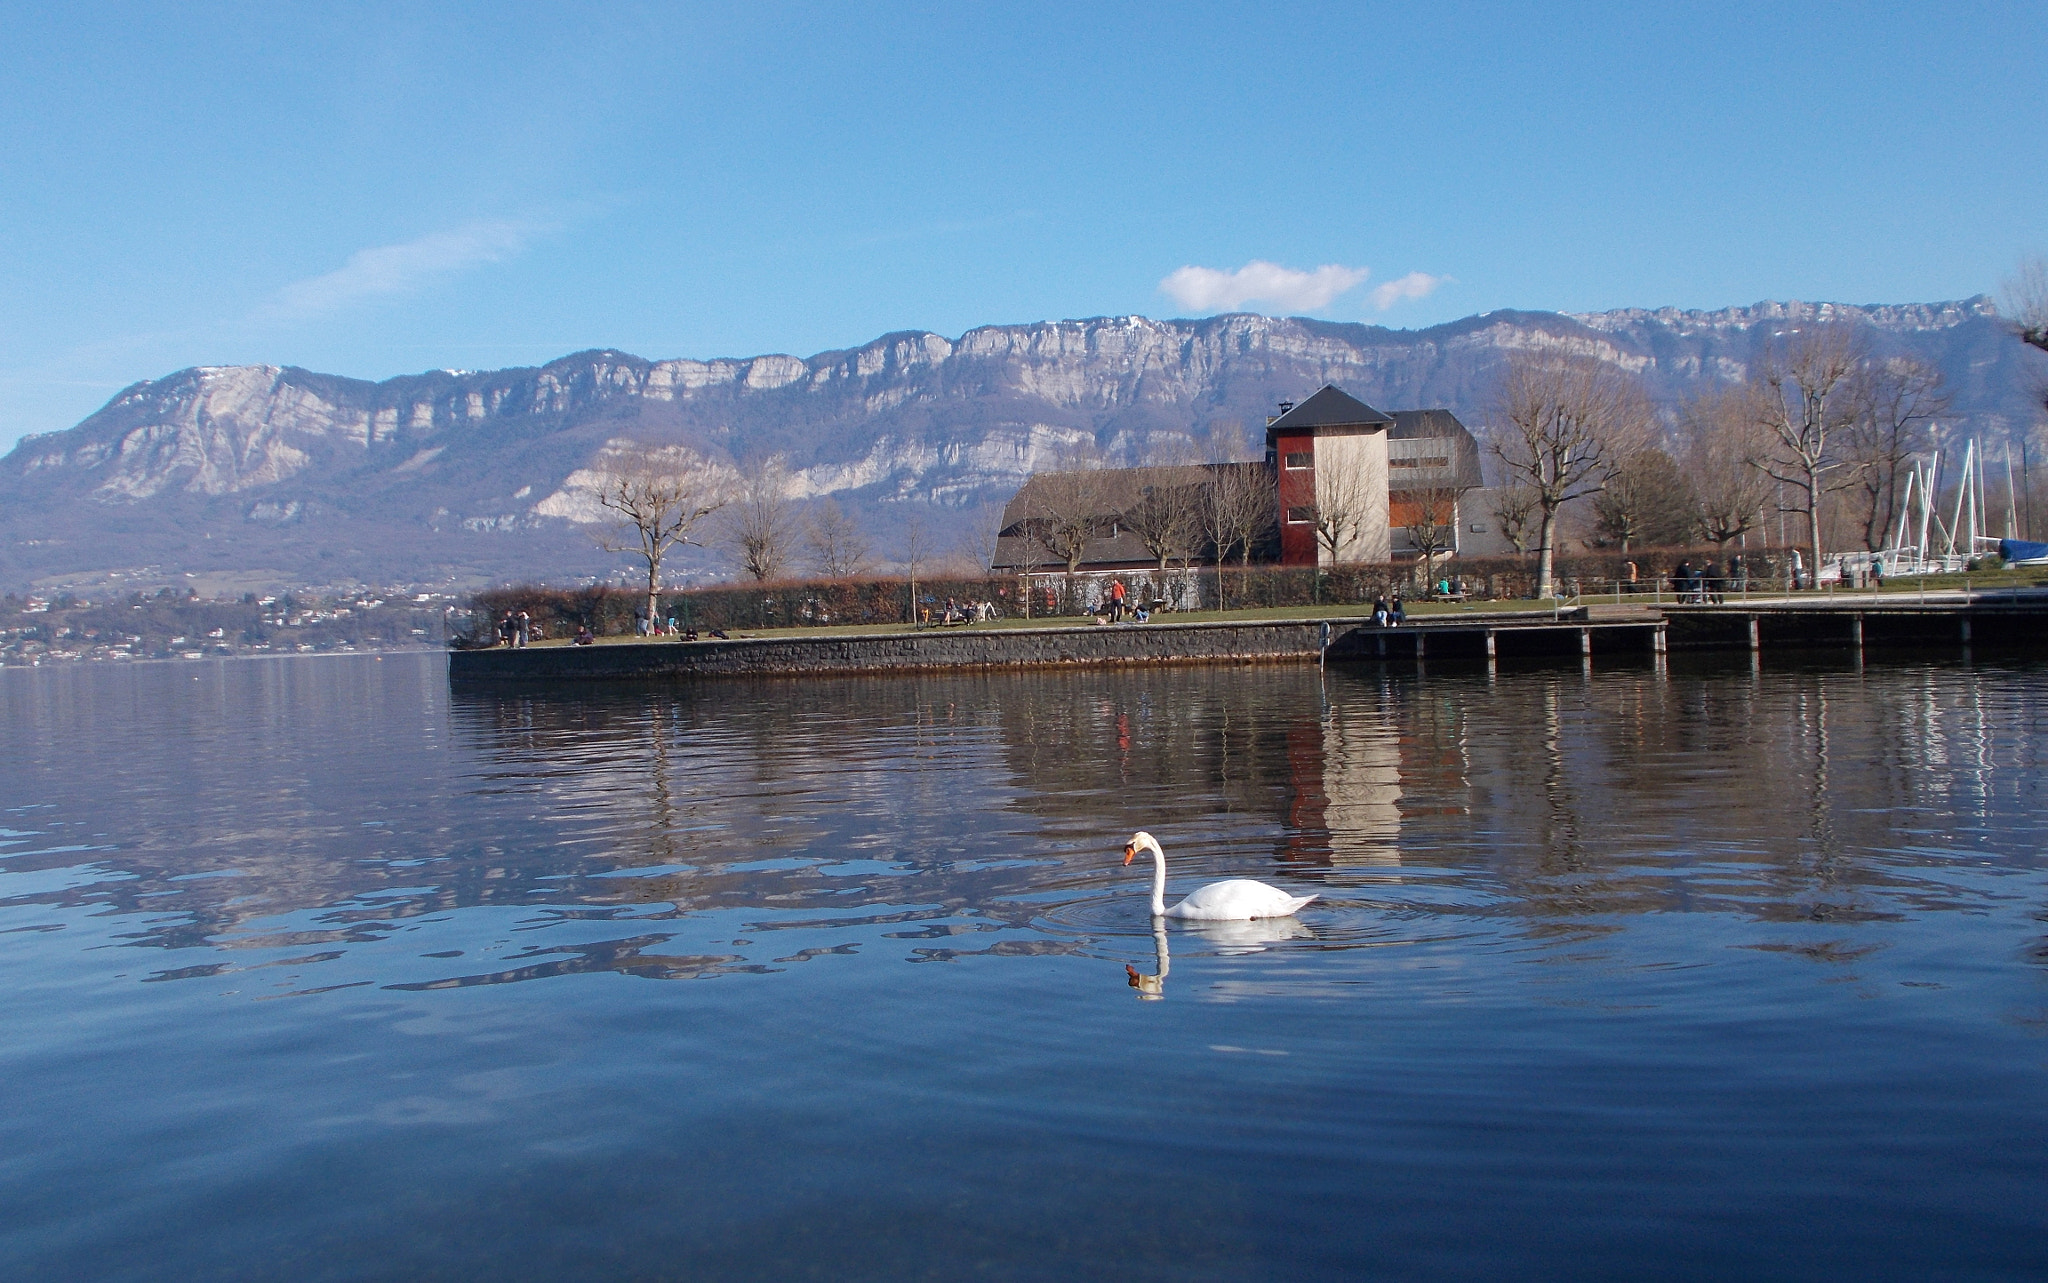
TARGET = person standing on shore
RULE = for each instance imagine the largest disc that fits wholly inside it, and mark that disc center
(1116, 601)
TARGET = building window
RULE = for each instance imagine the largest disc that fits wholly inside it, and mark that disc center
(1301, 459)
(1300, 516)
(1418, 463)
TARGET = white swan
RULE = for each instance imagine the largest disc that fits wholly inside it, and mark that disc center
(1237, 900)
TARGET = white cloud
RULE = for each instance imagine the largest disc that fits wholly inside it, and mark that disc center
(1413, 285)
(400, 269)
(1210, 289)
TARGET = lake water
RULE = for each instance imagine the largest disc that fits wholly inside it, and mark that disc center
(317, 969)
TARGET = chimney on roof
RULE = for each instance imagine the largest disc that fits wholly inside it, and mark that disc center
(1285, 406)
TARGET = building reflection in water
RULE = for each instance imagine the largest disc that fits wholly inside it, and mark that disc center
(1381, 747)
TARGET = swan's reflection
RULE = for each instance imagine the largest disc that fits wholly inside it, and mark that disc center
(1152, 988)
(1251, 935)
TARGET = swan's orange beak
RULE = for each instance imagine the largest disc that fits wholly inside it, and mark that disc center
(1130, 852)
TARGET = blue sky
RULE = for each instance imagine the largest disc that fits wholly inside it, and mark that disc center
(379, 189)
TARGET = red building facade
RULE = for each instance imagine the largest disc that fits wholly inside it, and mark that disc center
(1294, 461)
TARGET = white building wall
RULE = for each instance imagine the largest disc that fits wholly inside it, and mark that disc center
(1355, 463)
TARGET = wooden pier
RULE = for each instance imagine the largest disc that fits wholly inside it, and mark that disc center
(1849, 625)
(1583, 632)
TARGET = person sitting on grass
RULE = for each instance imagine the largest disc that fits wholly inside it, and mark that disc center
(584, 637)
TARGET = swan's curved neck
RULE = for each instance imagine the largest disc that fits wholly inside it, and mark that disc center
(1158, 881)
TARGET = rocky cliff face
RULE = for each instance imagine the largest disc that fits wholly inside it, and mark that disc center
(474, 473)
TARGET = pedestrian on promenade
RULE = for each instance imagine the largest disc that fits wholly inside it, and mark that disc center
(1116, 601)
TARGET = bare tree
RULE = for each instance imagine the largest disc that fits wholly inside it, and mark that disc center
(660, 495)
(916, 550)
(1243, 505)
(1564, 425)
(761, 524)
(1432, 521)
(1070, 508)
(1026, 547)
(1721, 437)
(2026, 301)
(1165, 512)
(979, 539)
(1251, 510)
(1897, 401)
(1513, 506)
(1806, 401)
(1647, 501)
(2024, 298)
(834, 540)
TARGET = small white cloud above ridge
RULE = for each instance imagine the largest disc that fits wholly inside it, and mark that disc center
(1413, 285)
(386, 270)
(1211, 289)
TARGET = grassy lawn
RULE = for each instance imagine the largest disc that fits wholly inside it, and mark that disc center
(1976, 581)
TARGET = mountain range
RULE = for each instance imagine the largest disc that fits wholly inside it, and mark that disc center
(278, 474)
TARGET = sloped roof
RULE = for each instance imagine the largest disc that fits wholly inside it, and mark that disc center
(1113, 489)
(1426, 423)
(1330, 407)
(1460, 449)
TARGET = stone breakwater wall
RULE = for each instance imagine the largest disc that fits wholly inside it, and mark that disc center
(937, 649)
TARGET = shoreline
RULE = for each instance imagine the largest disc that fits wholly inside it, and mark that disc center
(1591, 630)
